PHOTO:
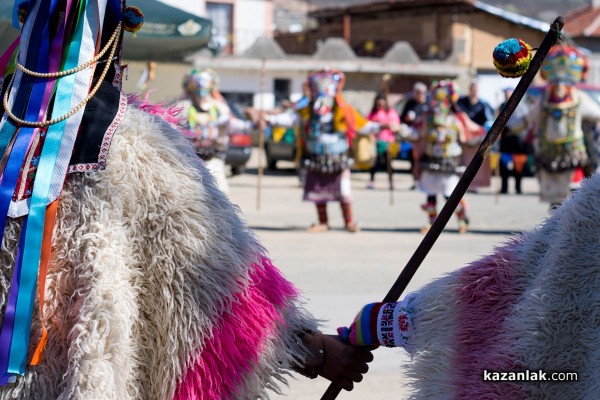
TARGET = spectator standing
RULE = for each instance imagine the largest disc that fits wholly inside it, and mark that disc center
(514, 144)
(388, 120)
(477, 109)
(482, 114)
(416, 106)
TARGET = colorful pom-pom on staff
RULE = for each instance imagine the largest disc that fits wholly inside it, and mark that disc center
(133, 19)
(512, 58)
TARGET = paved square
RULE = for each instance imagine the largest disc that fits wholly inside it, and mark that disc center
(338, 272)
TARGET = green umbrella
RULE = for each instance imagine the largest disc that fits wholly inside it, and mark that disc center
(168, 33)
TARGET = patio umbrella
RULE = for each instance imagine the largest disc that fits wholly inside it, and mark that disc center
(168, 34)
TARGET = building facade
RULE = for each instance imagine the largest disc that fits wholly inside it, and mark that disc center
(406, 40)
(461, 33)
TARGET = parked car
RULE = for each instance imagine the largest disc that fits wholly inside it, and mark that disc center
(280, 145)
(240, 141)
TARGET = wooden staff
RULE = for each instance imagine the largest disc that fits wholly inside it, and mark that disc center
(385, 89)
(390, 172)
(463, 184)
(386, 81)
(497, 174)
(261, 131)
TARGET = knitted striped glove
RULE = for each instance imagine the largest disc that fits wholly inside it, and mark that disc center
(380, 324)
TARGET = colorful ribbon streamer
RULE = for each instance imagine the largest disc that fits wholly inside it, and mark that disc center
(33, 102)
(28, 270)
(29, 98)
(44, 261)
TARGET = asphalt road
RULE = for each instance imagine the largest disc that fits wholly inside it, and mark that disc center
(338, 272)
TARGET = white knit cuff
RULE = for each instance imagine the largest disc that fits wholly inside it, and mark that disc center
(394, 324)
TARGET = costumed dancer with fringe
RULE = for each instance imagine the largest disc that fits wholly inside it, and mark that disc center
(440, 163)
(331, 125)
(205, 113)
(125, 272)
(519, 323)
(559, 142)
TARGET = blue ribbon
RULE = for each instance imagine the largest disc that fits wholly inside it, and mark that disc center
(37, 210)
(33, 101)
(9, 320)
(22, 95)
(114, 13)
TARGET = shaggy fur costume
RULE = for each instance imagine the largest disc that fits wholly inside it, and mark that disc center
(533, 304)
(156, 288)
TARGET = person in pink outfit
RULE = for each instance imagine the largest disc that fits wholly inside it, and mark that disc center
(388, 120)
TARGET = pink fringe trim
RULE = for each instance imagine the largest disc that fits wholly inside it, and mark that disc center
(167, 113)
(485, 299)
(239, 339)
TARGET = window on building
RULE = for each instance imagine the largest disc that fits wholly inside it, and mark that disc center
(281, 89)
(221, 15)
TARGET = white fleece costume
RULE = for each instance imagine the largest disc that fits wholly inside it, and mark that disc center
(151, 266)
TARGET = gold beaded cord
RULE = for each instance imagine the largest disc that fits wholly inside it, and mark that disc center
(112, 44)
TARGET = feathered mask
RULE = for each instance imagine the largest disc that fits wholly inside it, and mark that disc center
(443, 94)
(324, 86)
(201, 84)
(565, 64)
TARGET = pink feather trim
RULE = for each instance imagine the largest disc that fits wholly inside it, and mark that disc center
(486, 295)
(167, 113)
(239, 339)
